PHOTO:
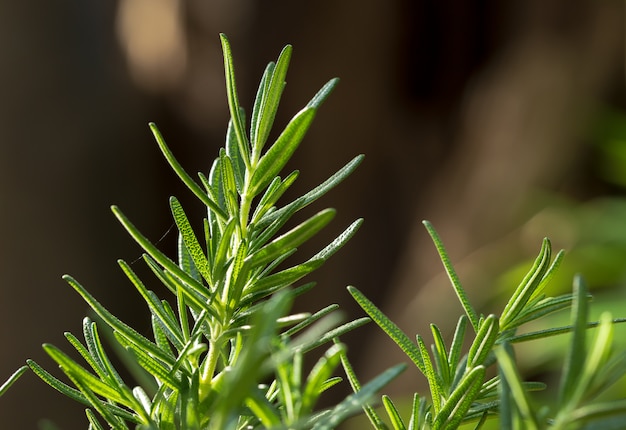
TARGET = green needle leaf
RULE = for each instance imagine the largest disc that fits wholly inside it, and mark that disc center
(314, 194)
(431, 375)
(454, 278)
(273, 161)
(575, 359)
(459, 402)
(394, 415)
(14, 377)
(392, 330)
(356, 401)
(190, 183)
(322, 370)
(292, 239)
(190, 240)
(271, 99)
(124, 330)
(484, 341)
(233, 101)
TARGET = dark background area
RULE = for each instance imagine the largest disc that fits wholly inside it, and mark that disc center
(464, 110)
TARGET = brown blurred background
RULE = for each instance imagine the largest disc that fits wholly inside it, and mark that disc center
(477, 115)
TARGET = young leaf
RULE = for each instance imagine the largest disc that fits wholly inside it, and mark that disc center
(233, 101)
(429, 371)
(459, 402)
(484, 341)
(528, 288)
(322, 370)
(270, 99)
(441, 358)
(394, 415)
(273, 161)
(457, 344)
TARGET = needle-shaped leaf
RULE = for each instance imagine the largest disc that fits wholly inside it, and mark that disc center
(457, 344)
(190, 240)
(595, 359)
(102, 408)
(233, 101)
(70, 367)
(56, 383)
(273, 161)
(441, 358)
(156, 307)
(274, 191)
(544, 307)
(392, 330)
(356, 401)
(263, 410)
(153, 251)
(197, 297)
(272, 283)
(104, 367)
(14, 377)
(454, 278)
(323, 93)
(429, 371)
(292, 239)
(483, 342)
(418, 412)
(93, 420)
(575, 359)
(124, 330)
(229, 184)
(321, 371)
(310, 320)
(519, 397)
(156, 368)
(459, 402)
(339, 241)
(394, 415)
(184, 176)
(334, 333)
(270, 99)
(355, 384)
(315, 193)
(259, 100)
(223, 252)
(527, 288)
(232, 150)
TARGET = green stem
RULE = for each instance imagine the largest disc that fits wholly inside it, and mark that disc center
(208, 368)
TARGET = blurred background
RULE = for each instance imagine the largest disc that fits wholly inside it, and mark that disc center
(501, 122)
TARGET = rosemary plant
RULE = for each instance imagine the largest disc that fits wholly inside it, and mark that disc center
(223, 353)
(226, 353)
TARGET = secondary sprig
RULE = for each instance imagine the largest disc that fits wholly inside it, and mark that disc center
(460, 391)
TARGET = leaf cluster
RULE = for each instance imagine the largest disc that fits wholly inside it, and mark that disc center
(225, 352)
(462, 392)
